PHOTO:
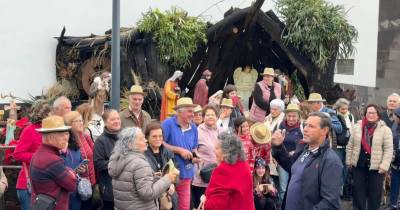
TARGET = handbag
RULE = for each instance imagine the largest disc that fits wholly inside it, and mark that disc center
(165, 201)
(206, 171)
(45, 202)
(84, 188)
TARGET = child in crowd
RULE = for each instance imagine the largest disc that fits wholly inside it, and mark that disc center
(265, 194)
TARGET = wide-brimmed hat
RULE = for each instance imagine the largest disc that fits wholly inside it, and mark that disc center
(227, 102)
(292, 108)
(260, 133)
(198, 109)
(315, 97)
(136, 89)
(268, 71)
(53, 124)
(184, 102)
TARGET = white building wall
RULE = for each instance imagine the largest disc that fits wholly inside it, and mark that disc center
(364, 16)
(27, 49)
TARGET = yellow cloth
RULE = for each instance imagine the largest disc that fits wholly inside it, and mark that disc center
(169, 99)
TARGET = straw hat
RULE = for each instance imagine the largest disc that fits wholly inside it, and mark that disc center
(315, 97)
(292, 108)
(136, 89)
(227, 102)
(269, 71)
(53, 124)
(260, 133)
(198, 109)
(184, 102)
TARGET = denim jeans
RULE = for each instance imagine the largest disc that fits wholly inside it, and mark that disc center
(24, 198)
(283, 182)
(394, 187)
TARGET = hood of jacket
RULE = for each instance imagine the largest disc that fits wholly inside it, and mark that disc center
(118, 162)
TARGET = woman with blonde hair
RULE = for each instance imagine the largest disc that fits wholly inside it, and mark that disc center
(85, 146)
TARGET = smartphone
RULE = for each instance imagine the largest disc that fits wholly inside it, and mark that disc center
(84, 162)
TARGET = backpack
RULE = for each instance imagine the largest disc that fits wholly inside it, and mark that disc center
(343, 137)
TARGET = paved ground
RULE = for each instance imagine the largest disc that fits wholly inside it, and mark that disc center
(346, 205)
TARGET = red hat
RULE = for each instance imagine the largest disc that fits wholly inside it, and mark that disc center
(207, 73)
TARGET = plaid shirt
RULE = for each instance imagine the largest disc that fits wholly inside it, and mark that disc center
(49, 175)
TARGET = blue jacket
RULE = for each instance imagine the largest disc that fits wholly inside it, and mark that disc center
(292, 137)
(319, 190)
(337, 127)
(396, 139)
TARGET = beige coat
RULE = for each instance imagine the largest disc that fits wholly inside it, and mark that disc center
(381, 149)
(134, 185)
(3, 182)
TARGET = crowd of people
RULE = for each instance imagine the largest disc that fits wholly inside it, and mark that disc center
(210, 153)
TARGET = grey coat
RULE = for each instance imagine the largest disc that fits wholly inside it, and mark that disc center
(133, 182)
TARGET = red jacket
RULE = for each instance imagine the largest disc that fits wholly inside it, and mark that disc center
(230, 188)
(29, 142)
(86, 149)
(201, 93)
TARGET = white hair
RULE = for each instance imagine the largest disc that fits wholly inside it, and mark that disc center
(341, 102)
(59, 101)
(394, 95)
(277, 103)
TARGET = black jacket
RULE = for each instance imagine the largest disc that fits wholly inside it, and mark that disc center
(166, 155)
(102, 152)
(321, 177)
(386, 118)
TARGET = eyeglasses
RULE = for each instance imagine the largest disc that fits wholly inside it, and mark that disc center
(372, 113)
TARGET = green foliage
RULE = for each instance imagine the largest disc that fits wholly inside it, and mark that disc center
(318, 29)
(176, 34)
(298, 89)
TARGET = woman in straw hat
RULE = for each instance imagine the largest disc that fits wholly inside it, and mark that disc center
(291, 126)
(261, 136)
(225, 121)
(264, 92)
(198, 115)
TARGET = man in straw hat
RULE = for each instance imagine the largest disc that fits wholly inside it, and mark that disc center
(48, 174)
(134, 116)
(200, 96)
(180, 136)
(170, 95)
(225, 122)
(264, 91)
(317, 105)
(315, 169)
